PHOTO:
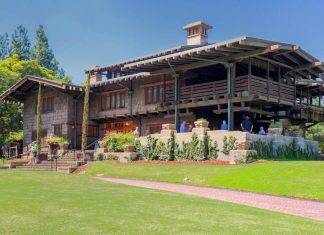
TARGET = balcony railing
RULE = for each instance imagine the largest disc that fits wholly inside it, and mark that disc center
(245, 85)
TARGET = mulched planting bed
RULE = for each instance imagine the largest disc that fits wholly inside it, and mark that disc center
(208, 162)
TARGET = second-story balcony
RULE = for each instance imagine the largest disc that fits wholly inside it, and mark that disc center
(244, 86)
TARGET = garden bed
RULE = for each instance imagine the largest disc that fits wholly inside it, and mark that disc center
(207, 162)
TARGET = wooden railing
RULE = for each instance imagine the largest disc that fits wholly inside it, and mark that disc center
(254, 86)
(271, 89)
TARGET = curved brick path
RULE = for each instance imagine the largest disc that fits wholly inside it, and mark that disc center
(300, 207)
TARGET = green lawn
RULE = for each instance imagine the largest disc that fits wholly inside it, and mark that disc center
(51, 203)
(291, 178)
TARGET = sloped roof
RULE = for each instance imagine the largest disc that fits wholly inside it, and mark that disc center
(289, 56)
(20, 89)
(97, 68)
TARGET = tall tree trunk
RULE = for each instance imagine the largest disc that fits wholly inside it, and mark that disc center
(85, 115)
(39, 117)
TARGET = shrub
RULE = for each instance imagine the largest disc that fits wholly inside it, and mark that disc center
(317, 133)
(52, 140)
(294, 128)
(13, 137)
(201, 120)
(275, 124)
(228, 144)
(283, 152)
(195, 150)
(117, 141)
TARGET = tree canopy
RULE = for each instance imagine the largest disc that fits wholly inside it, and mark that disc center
(20, 43)
(4, 46)
(42, 53)
(12, 70)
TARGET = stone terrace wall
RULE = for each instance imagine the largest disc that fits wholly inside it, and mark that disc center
(216, 135)
(242, 138)
(281, 140)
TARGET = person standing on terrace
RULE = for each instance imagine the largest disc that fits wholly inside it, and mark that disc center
(247, 125)
(224, 126)
(183, 127)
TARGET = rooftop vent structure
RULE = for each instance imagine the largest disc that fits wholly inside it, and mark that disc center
(197, 33)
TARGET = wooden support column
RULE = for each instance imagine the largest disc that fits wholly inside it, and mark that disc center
(130, 98)
(301, 96)
(164, 88)
(268, 80)
(249, 76)
(319, 96)
(229, 94)
(279, 84)
(232, 76)
(295, 92)
(176, 78)
(307, 97)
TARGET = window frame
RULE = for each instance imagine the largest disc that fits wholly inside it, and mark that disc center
(58, 127)
(155, 98)
(112, 101)
(47, 104)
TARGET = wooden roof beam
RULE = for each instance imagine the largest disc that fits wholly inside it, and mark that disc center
(225, 59)
(274, 62)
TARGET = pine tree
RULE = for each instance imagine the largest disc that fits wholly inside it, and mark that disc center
(4, 46)
(42, 53)
(20, 43)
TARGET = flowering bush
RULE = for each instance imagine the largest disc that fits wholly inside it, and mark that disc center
(57, 140)
(117, 141)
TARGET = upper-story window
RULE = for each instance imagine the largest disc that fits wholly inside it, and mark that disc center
(155, 93)
(113, 100)
(47, 105)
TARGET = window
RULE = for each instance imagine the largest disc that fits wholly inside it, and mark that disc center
(58, 129)
(47, 105)
(155, 93)
(119, 126)
(112, 100)
(155, 128)
(43, 134)
(93, 131)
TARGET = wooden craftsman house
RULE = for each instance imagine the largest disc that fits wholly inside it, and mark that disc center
(217, 81)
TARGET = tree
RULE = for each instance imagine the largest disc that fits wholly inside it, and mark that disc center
(20, 43)
(4, 46)
(85, 115)
(42, 53)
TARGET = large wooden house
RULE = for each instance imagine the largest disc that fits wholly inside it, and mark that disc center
(217, 81)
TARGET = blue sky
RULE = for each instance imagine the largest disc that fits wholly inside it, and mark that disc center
(84, 33)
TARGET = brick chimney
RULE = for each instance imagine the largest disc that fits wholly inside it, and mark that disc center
(197, 33)
(95, 77)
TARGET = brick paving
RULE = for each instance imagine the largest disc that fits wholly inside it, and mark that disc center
(294, 206)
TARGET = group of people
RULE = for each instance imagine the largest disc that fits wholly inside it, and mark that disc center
(246, 126)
